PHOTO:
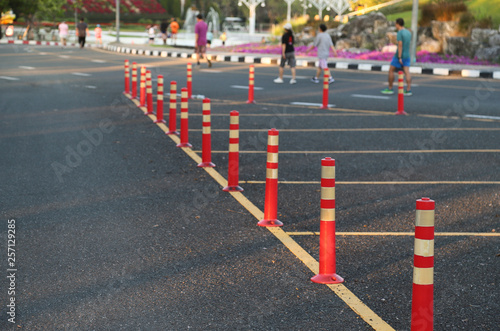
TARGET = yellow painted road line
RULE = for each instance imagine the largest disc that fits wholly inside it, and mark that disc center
(340, 290)
(374, 151)
(442, 234)
(442, 182)
(282, 115)
(360, 130)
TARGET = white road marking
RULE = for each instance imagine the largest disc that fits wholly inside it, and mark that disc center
(99, 61)
(296, 77)
(64, 56)
(483, 116)
(366, 96)
(396, 83)
(43, 53)
(91, 86)
(9, 78)
(310, 104)
(80, 74)
(210, 70)
(246, 87)
(26, 67)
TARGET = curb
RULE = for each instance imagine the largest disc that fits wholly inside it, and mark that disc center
(467, 73)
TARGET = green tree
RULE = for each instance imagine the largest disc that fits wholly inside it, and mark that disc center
(33, 10)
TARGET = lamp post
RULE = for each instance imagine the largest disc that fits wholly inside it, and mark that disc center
(117, 21)
(304, 5)
(252, 5)
(340, 6)
(320, 5)
(414, 31)
(289, 10)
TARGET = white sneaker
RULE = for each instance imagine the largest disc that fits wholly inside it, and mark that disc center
(331, 80)
(293, 81)
(278, 81)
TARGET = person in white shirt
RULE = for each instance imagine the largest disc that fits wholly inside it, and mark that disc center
(323, 43)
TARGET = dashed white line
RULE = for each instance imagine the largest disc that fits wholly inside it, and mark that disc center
(91, 86)
(80, 74)
(246, 87)
(9, 78)
(64, 56)
(296, 77)
(483, 116)
(99, 61)
(310, 104)
(26, 67)
(366, 96)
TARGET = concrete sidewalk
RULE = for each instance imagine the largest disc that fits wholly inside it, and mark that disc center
(440, 69)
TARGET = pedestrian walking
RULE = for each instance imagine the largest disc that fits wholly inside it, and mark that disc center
(200, 33)
(287, 54)
(151, 33)
(163, 30)
(82, 30)
(174, 28)
(210, 36)
(401, 59)
(98, 34)
(223, 38)
(63, 32)
(323, 43)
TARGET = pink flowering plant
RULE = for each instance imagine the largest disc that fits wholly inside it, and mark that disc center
(422, 56)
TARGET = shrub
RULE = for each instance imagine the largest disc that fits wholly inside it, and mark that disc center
(442, 10)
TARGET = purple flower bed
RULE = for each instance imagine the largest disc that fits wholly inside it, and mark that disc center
(422, 56)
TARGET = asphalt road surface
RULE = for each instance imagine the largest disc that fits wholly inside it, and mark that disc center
(116, 228)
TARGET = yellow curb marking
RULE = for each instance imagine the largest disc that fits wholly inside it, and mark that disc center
(403, 151)
(443, 182)
(361, 130)
(339, 289)
(442, 234)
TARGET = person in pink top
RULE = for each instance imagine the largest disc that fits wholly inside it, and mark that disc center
(98, 34)
(200, 44)
(63, 32)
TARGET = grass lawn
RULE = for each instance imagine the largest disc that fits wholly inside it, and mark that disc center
(480, 9)
(485, 8)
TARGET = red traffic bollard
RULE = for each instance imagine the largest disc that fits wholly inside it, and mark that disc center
(142, 88)
(401, 95)
(134, 80)
(422, 306)
(251, 83)
(206, 147)
(172, 117)
(234, 154)
(127, 78)
(325, 92)
(184, 119)
(327, 262)
(271, 199)
(159, 101)
(190, 80)
(149, 94)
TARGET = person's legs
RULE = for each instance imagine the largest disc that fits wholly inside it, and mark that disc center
(390, 77)
(281, 72)
(406, 70)
(293, 73)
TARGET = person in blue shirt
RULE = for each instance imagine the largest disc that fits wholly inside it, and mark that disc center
(401, 59)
